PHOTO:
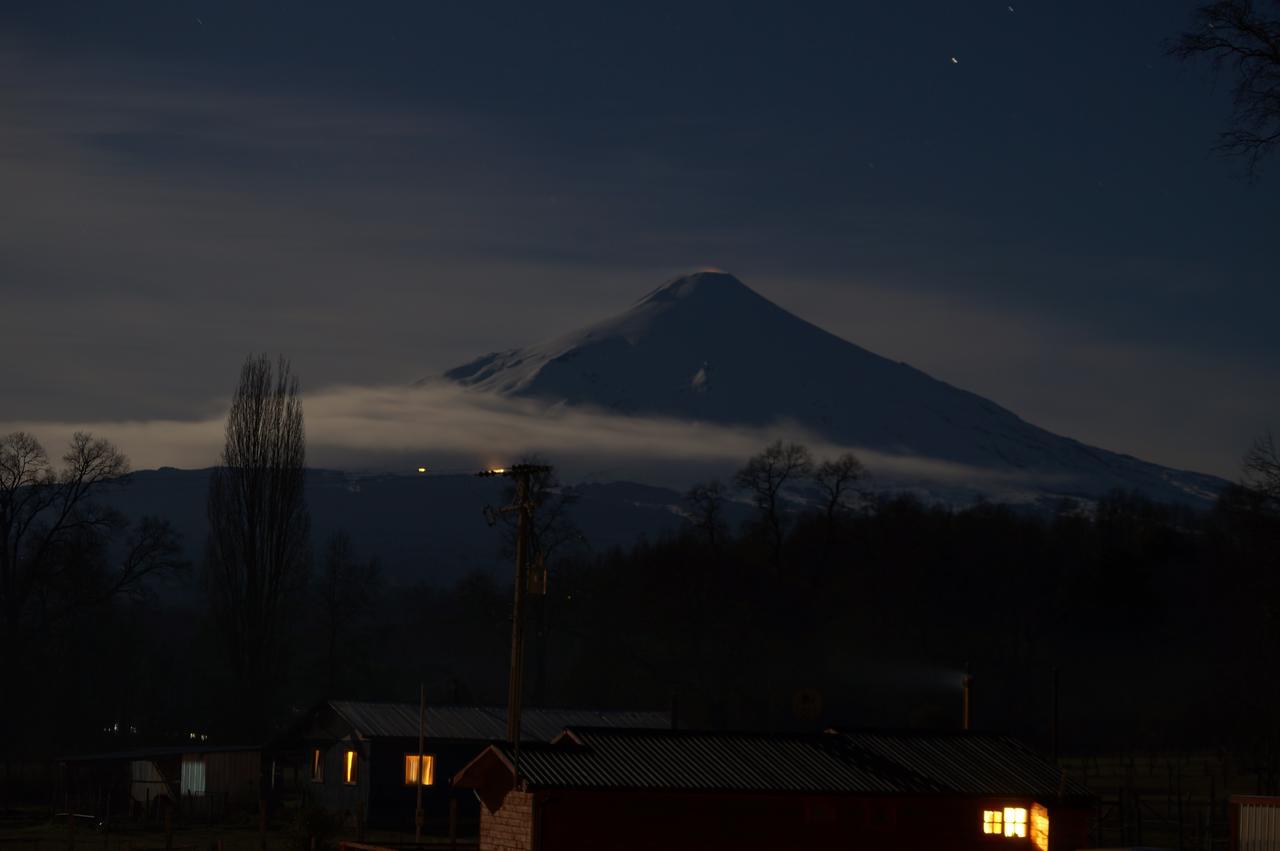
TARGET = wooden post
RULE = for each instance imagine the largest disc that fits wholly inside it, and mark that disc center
(515, 679)
(453, 822)
(1213, 804)
(1137, 813)
(1053, 718)
(71, 830)
(168, 827)
(418, 816)
(262, 823)
(359, 821)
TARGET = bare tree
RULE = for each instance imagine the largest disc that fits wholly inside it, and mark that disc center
(1239, 35)
(1262, 471)
(551, 531)
(836, 480)
(764, 477)
(55, 538)
(258, 554)
(63, 553)
(347, 586)
(553, 528)
(704, 504)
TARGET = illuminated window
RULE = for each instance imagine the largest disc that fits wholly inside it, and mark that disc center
(193, 777)
(411, 762)
(1011, 822)
(349, 768)
(1015, 821)
(317, 766)
(1040, 827)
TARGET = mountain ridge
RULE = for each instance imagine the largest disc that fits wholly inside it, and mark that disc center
(706, 347)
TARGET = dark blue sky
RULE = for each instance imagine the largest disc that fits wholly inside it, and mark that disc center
(382, 190)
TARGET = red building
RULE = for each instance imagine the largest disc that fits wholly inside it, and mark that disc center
(597, 788)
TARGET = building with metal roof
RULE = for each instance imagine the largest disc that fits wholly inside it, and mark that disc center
(596, 787)
(480, 723)
(200, 780)
(362, 757)
(969, 763)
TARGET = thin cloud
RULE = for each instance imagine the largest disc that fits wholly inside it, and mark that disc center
(378, 423)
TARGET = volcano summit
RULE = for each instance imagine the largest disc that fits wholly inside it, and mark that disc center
(707, 348)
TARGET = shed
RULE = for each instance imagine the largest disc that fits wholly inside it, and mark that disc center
(642, 789)
(203, 781)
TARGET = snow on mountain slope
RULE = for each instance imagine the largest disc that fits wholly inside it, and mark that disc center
(705, 347)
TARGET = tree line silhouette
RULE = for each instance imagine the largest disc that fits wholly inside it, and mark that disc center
(1161, 621)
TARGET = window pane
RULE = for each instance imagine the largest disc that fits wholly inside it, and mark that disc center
(1015, 821)
(429, 770)
(193, 777)
(411, 766)
(349, 766)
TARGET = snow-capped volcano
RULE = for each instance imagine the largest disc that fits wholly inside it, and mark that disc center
(706, 347)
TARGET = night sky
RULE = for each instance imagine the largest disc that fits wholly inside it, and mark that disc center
(1021, 200)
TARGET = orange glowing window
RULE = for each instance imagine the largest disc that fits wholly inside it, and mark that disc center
(411, 764)
(317, 766)
(1015, 821)
(1040, 827)
(1010, 822)
(350, 766)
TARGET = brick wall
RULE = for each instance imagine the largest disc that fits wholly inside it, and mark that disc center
(511, 827)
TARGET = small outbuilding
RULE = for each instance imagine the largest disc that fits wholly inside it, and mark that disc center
(201, 781)
(599, 788)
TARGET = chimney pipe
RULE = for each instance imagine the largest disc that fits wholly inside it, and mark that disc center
(1053, 718)
(967, 684)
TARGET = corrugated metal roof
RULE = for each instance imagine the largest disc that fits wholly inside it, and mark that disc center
(667, 759)
(159, 752)
(969, 763)
(896, 763)
(486, 723)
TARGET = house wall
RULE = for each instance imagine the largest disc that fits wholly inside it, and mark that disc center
(388, 802)
(572, 819)
(233, 784)
(331, 792)
(391, 803)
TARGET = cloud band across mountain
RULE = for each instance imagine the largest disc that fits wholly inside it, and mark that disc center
(387, 427)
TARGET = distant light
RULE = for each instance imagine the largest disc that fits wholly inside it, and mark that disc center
(422, 469)
(955, 61)
(498, 470)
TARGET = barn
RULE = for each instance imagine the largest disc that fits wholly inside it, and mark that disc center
(362, 758)
(597, 788)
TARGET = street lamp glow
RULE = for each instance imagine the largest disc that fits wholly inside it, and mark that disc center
(422, 469)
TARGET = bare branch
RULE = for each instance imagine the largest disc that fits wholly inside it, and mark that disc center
(764, 477)
(1235, 35)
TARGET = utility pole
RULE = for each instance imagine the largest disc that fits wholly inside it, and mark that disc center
(522, 473)
(418, 815)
